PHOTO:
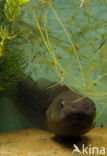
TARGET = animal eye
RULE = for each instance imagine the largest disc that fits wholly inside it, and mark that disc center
(62, 104)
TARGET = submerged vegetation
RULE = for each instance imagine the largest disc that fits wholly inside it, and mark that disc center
(66, 40)
(12, 60)
(74, 36)
(76, 43)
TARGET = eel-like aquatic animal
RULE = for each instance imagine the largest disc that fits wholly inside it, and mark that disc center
(64, 112)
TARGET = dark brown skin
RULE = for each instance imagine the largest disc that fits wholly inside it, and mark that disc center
(68, 113)
(68, 117)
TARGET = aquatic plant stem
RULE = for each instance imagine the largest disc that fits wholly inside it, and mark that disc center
(50, 50)
(52, 53)
(54, 57)
(82, 75)
(100, 112)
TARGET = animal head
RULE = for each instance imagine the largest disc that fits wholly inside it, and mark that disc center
(71, 114)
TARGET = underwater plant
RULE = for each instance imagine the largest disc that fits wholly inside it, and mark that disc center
(65, 41)
(72, 35)
(12, 60)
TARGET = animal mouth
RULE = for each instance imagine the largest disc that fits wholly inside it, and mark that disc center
(80, 117)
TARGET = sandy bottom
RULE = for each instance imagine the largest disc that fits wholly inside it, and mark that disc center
(34, 142)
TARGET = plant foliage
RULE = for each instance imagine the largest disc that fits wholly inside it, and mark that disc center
(12, 60)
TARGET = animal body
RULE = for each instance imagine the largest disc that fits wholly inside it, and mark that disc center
(63, 111)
